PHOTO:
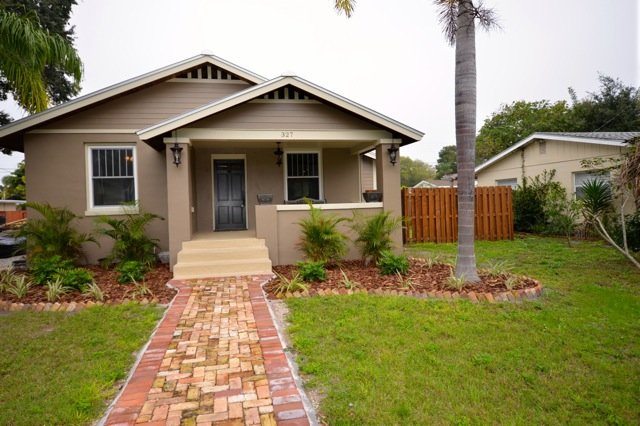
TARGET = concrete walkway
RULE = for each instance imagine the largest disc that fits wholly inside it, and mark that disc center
(216, 358)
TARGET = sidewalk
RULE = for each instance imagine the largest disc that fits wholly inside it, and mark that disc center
(215, 359)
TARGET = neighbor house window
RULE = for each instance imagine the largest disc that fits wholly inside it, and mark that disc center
(580, 178)
(112, 172)
(303, 175)
(513, 182)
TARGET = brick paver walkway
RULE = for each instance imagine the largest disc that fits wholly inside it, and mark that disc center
(215, 359)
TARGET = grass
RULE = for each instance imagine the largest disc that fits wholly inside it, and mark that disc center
(572, 357)
(60, 369)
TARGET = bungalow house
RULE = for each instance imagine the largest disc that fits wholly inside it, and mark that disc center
(562, 152)
(224, 155)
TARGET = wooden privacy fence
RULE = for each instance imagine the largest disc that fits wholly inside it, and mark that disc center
(432, 214)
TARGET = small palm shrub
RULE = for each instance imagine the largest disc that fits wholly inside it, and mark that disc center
(53, 233)
(312, 271)
(130, 241)
(374, 234)
(286, 285)
(321, 241)
(391, 264)
(130, 271)
(597, 198)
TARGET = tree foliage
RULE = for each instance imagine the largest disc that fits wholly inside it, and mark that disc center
(38, 63)
(413, 171)
(614, 107)
(447, 163)
(13, 185)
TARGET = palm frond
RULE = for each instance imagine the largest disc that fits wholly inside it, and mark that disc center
(346, 6)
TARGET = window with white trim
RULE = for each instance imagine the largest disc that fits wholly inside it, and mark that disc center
(513, 182)
(580, 178)
(112, 176)
(303, 175)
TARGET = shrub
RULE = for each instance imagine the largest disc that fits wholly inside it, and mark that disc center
(130, 241)
(140, 290)
(633, 231)
(76, 278)
(374, 234)
(20, 286)
(130, 271)
(347, 282)
(286, 285)
(321, 241)
(55, 289)
(53, 234)
(390, 264)
(94, 291)
(312, 271)
(529, 200)
(45, 269)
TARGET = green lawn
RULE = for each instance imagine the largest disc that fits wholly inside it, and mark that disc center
(60, 369)
(572, 357)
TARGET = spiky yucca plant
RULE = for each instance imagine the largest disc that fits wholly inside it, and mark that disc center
(374, 234)
(53, 234)
(321, 241)
(130, 240)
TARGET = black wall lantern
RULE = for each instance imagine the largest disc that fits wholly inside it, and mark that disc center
(177, 154)
(393, 153)
(278, 153)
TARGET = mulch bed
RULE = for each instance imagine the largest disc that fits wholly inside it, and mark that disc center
(114, 292)
(422, 278)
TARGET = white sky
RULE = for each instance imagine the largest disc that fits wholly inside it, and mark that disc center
(392, 59)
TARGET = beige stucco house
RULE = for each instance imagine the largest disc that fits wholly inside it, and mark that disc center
(199, 142)
(562, 152)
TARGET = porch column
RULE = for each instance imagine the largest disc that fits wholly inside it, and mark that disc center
(388, 181)
(179, 201)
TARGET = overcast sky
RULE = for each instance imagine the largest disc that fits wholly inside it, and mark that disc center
(390, 56)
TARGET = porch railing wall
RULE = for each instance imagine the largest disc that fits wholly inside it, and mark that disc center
(432, 214)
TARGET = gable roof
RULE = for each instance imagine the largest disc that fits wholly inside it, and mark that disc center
(619, 139)
(124, 87)
(269, 86)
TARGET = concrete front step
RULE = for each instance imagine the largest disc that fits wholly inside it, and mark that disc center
(219, 258)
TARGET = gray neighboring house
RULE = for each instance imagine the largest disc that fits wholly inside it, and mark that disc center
(200, 142)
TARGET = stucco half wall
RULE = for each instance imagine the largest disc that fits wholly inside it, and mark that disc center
(279, 226)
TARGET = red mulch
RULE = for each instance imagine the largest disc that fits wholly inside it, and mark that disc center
(420, 275)
(114, 292)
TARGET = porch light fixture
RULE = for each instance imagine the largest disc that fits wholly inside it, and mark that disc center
(393, 153)
(176, 150)
(278, 153)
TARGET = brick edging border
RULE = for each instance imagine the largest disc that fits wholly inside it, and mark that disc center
(66, 306)
(474, 297)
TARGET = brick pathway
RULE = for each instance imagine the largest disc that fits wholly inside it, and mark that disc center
(215, 359)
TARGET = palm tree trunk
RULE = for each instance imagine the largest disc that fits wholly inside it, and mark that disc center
(465, 100)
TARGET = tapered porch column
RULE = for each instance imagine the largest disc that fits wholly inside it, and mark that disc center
(179, 198)
(388, 180)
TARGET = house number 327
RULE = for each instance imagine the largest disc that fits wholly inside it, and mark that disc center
(286, 134)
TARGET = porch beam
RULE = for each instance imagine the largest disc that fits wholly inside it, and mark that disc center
(282, 135)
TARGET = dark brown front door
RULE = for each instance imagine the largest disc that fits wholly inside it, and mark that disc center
(229, 195)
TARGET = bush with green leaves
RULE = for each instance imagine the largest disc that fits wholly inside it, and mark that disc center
(130, 240)
(45, 269)
(130, 271)
(321, 241)
(632, 229)
(374, 234)
(76, 278)
(391, 264)
(312, 271)
(52, 233)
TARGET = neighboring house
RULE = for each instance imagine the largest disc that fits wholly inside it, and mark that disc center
(11, 211)
(434, 183)
(562, 152)
(196, 142)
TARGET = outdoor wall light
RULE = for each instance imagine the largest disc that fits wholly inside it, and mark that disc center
(177, 154)
(278, 153)
(393, 153)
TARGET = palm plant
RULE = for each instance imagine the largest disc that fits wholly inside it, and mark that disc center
(25, 51)
(597, 197)
(458, 18)
(374, 234)
(321, 241)
(130, 241)
(53, 233)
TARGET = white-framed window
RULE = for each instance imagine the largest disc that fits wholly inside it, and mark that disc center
(580, 178)
(111, 178)
(303, 175)
(512, 182)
